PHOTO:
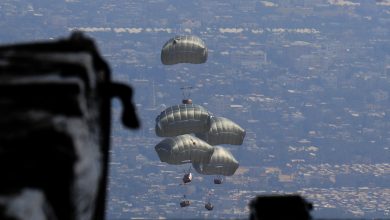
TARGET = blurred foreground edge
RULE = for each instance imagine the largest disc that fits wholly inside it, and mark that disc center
(55, 108)
(288, 207)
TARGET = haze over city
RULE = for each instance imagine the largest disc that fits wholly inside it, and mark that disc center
(307, 80)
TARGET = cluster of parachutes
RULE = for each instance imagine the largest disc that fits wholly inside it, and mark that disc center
(192, 134)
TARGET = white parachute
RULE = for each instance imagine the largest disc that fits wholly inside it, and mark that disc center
(184, 149)
(222, 162)
(182, 119)
(184, 49)
(223, 131)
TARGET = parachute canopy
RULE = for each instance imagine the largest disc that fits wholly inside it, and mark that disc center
(184, 149)
(222, 162)
(184, 49)
(223, 131)
(182, 119)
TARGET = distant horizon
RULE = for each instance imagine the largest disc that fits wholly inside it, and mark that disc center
(307, 80)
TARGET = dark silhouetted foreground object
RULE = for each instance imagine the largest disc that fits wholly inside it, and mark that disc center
(279, 207)
(55, 107)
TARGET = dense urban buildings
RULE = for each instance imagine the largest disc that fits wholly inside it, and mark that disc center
(308, 80)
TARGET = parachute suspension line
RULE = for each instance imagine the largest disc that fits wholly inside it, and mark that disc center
(154, 95)
(208, 204)
(180, 29)
(187, 171)
(209, 197)
(186, 92)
